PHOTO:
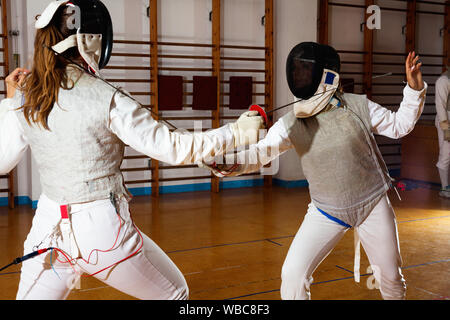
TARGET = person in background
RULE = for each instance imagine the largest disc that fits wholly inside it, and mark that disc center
(442, 101)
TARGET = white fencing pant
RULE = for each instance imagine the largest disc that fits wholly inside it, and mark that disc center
(149, 275)
(318, 235)
(443, 163)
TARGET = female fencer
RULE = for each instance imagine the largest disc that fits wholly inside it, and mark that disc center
(333, 134)
(77, 126)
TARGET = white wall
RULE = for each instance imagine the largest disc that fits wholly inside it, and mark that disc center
(296, 21)
(188, 21)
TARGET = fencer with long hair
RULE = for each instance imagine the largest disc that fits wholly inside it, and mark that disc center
(77, 127)
(333, 134)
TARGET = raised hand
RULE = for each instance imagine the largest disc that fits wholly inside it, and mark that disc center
(413, 72)
(14, 81)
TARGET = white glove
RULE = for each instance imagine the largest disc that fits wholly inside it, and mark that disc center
(220, 170)
(246, 128)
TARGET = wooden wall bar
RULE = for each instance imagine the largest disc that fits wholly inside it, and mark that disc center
(446, 37)
(322, 22)
(269, 70)
(5, 64)
(216, 66)
(411, 26)
(154, 64)
(368, 55)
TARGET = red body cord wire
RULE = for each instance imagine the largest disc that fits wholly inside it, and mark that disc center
(72, 260)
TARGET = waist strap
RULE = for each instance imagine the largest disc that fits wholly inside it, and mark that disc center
(342, 223)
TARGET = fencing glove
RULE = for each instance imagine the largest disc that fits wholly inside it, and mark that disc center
(246, 129)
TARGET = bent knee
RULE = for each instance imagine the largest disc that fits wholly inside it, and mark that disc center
(180, 290)
(392, 286)
(295, 284)
(182, 293)
(393, 290)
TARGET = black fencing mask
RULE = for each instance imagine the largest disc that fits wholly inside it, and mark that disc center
(305, 66)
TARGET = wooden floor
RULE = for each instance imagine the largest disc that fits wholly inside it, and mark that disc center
(232, 245)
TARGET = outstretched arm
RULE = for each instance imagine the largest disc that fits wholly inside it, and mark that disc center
(256, 156)
(398, 124)
(135, 126)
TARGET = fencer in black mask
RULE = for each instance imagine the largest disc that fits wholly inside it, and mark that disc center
(333, 135)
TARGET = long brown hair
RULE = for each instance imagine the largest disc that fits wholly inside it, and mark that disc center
(48, 73)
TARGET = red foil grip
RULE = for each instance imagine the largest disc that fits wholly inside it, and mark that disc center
(261, 112)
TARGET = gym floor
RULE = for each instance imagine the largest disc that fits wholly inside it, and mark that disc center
(232, 245)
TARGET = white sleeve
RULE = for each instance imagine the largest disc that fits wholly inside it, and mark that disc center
(398, 124)
(266, 150)
(13, 143)
(136, 127)
(442, 93)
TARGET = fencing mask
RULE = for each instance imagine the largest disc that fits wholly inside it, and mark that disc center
(94, 31)
(312, 72)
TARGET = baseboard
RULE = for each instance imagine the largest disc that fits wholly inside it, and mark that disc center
(198, 187)
(290, 183)
(24, 200)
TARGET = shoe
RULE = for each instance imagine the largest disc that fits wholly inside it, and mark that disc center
(445, 193)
